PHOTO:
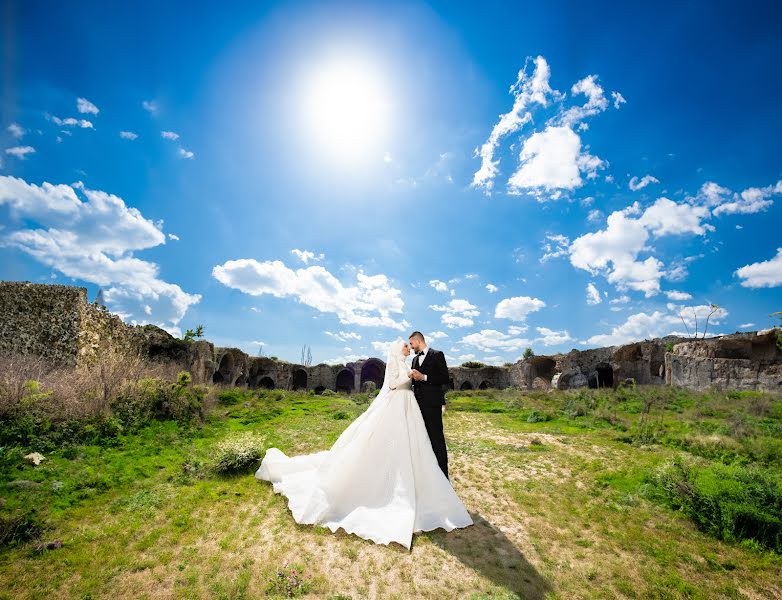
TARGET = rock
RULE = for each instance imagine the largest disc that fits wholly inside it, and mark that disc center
(35, 458)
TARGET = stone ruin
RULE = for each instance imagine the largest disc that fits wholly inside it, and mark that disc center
(58, 322)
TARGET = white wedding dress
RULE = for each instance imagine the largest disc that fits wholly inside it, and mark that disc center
(380, 480)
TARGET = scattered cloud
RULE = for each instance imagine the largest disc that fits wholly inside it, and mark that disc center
(16, 130)
(94, 239)
(638, 184)
(593, 296)
(492, 288)
(767, 273)
(457, 313)
(128, 135)
(20, 151)
(370, 302)
(306, 256)
(84, 106)
(517, 308)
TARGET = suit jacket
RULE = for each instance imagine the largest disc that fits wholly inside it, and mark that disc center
(437, 378)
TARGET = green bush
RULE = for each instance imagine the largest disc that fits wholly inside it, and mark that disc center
(732, 503)
(238, 454)
(537, 416)
(328, 393)
(231, 396)
(19, 528)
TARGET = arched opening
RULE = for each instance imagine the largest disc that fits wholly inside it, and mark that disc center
(466, 386)
(300, 379)
(345, 381)
(451, 384)
(485, 385)
(604, 376)
(542, 366)
(241, 380)
(266, 383)
(223, 373)
(319, 390)
(373, 370)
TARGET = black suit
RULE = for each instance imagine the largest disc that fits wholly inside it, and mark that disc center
(430, 395)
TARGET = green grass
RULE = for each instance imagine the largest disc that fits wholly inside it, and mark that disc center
(583, 504)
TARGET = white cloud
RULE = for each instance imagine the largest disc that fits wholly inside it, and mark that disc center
(594, 215)
(94, 241)
(746, 325)
(128, 135)
(618, 99)
(173, 236)
(593, 296)
(675, 295)
(620, 300)
(457, 313)
(169, 135)
(721, 200)
(762, 274)
(151, 107)
(436, 335)
(84, 106)
(642, 326)
(526, 91)
(185, 153)
(493, 340)
(369, 303)
(306, 256)
(596, 101)
(71, 122)
(517, 308)
(554, 246)
(550, 337)
(438, 285)
(614, 251)
(344, 336)
(551, 161)
(638, 184)
(16, 130)
(492, 288)
(20, 151)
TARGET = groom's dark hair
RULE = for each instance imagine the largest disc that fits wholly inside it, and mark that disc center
(417, 334)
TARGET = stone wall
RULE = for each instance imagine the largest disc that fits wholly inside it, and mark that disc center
(57, 321)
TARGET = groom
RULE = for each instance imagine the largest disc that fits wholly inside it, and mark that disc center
(430, 375)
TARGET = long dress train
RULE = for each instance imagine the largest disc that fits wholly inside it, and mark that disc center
(380, 479)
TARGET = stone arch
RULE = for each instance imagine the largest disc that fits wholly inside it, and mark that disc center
(300, 379)
(241, 380)
(542, 366)
(466, 386)
(485, 385)
(266, 383)
(373, 370)
(345, 381)
(604, 376)
(223, 372)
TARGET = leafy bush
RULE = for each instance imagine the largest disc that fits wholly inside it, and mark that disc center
(238, 454)
(473, 364)
(732, 503)
(19, 528)
(288, 582)
(537, 416)
(230, 396)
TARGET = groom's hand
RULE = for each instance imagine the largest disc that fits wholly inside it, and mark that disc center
(416, 374)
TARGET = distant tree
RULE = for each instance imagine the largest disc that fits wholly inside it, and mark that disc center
(260, 350)
(473, 364)
(306, 355)
(528, 353)
(714, 308)
(190, 334)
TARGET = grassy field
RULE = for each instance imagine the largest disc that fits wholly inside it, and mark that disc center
(578, 494)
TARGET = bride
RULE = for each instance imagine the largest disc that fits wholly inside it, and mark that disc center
(380, 480)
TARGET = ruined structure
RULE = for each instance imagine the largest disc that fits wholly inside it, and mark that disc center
(57, 321)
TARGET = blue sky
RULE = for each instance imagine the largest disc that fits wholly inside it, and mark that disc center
(552, 175)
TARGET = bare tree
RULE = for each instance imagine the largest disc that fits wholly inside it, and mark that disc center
(306, 355)
(714, 308)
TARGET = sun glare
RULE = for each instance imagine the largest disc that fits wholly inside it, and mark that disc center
(346, 110)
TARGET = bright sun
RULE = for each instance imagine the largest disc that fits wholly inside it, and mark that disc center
(346, 109)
